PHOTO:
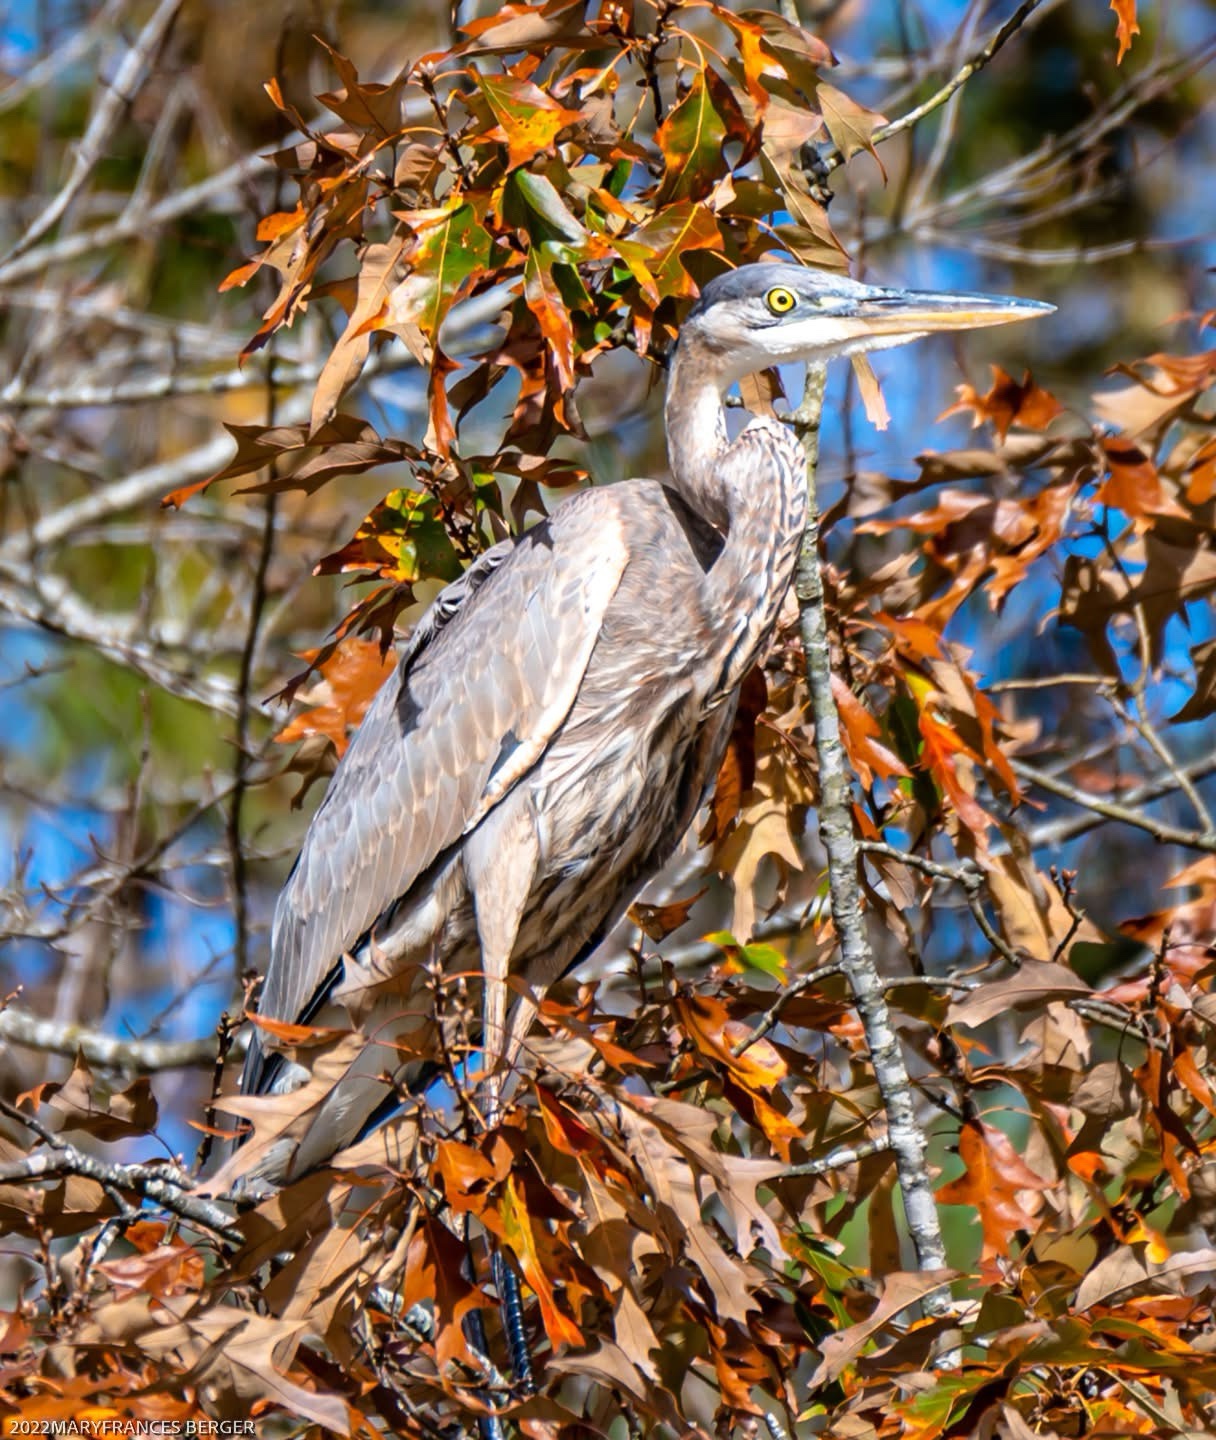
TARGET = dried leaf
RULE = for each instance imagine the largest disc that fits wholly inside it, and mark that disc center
(659, 921)
(860, 733)
(518, 1234)
(1133, 484)
(351, 676)
(849, 124)
(871, 392)
(1007, 403)
(998, 1183)
(1034, 984)
(1126, 26)
(899, 1292)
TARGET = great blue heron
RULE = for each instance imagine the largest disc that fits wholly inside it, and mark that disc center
(558, 714)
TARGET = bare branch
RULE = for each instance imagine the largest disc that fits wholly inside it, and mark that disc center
(967, 875)
(60, 1160)
(975, 64)
(114, 100)
(53, 607)
(1060, 832)
(1160, 830)
(79, 43)
(907, 1139)
(839, 1159)
(108, 1052)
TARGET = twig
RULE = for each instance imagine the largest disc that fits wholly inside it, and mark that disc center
(956, 82)
(114, 101)
(245, 710)
(907, 1139)
(839, 1159)
(922, 183)
(107, 1052)
(1060, 832)
(128, 225)
(977, 244)
(70, 53)
(1160, 830)
(1028, 175)
(60, 1160)
(64, 613)
(967, 875)
(139, 488)
(773, 1425)
(1148, 733)
(784, 996)
(225, 1034)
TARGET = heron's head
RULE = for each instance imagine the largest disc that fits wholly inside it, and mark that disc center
(771, 314)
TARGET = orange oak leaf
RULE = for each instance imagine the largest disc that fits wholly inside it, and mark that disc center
(350, 678)
(1126, 26)
(1007, 403)
(997, 1182)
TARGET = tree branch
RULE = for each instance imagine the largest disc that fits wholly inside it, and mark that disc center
(63, 613)
(1160, 830)
(60, 1160)
(839, 1159)
(108, 1052)
(972, 67)
(906, 1137)
(115, 98)
(1059, 832)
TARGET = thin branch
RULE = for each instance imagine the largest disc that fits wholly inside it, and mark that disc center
(784, 996)
(839, 1159)
(128, 226)
(921, 184)
(63, 613)
(1028, 176)
(967, 875)
(1060, 832)
(1160, 830)
(246, 708)
(73, 50)
(60, 1160)
(115, 98)
(907, 1139)
(1139, 721)
(139, 488)
(956, 82)
(105, 1052)
(977, 244)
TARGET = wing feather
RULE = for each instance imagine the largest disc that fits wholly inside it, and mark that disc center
(489, 675)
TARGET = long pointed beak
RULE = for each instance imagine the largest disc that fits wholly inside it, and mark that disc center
(912, 312)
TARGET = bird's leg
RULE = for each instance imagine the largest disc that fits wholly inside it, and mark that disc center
(506, 1282)
(489, 1427)
(501, 859)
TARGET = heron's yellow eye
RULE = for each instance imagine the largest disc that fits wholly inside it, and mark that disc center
(780, 301)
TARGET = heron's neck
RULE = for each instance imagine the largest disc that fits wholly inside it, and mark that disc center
(754, 491)
(695, 420)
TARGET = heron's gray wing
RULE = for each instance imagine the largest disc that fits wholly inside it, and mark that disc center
(468, 711)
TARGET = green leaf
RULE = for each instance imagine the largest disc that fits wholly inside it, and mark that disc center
(759, 956)
(403, 539)
(529, 119)
(766, 958)
(655, 251)
(451, 247)
(542, 198)
(692, 136)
